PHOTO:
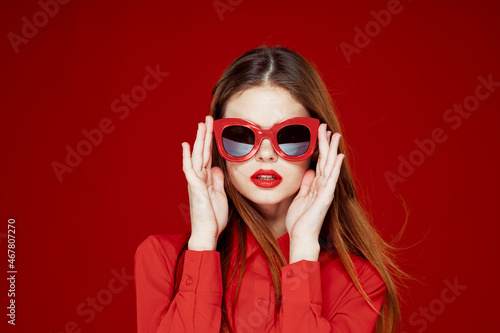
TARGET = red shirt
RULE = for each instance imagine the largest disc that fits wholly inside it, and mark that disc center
(317, 296)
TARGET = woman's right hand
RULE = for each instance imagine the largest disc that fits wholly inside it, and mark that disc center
(207, 198)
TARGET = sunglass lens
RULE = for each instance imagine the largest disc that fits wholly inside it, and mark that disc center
(237, 140)
(294, 140)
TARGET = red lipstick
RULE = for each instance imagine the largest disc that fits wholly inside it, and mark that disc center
(266, 178)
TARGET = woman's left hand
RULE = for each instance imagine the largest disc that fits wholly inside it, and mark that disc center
(306, 213)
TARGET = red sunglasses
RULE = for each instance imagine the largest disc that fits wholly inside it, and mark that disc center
(294, 139)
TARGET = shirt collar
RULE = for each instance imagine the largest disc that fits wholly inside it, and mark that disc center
(253, 245)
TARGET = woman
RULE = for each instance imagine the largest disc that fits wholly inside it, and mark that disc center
(278, 241)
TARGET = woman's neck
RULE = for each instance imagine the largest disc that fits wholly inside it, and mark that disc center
(275, 216)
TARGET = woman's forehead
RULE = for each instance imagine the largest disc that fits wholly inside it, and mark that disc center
(264, 106)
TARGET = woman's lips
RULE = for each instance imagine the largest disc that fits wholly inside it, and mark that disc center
(270, 182)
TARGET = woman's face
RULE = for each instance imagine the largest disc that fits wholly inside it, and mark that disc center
(265, 106)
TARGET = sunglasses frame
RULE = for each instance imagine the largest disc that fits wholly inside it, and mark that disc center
(260, 134)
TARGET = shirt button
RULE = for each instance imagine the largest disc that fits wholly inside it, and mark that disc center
(261, 301)
(289, 273)
(189, 281)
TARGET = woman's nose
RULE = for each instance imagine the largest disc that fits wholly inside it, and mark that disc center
(266, 151)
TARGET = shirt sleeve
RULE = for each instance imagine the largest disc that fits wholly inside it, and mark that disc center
(302, 301)
(197, 305)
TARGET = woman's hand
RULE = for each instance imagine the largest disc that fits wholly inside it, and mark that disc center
(207, 198)
(307, 212)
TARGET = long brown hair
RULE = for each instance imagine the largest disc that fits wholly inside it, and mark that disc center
(347, 224)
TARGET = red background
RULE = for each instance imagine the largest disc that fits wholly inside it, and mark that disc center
(73, 234)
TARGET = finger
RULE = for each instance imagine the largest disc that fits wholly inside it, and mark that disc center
(187, 166)
(209, 163)
(207, 151)
(323, 150)
(198, 147)
(209, 178)
(218, 179)
(332, 180)
(305, 185)
(318, 162)
(332, 155)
